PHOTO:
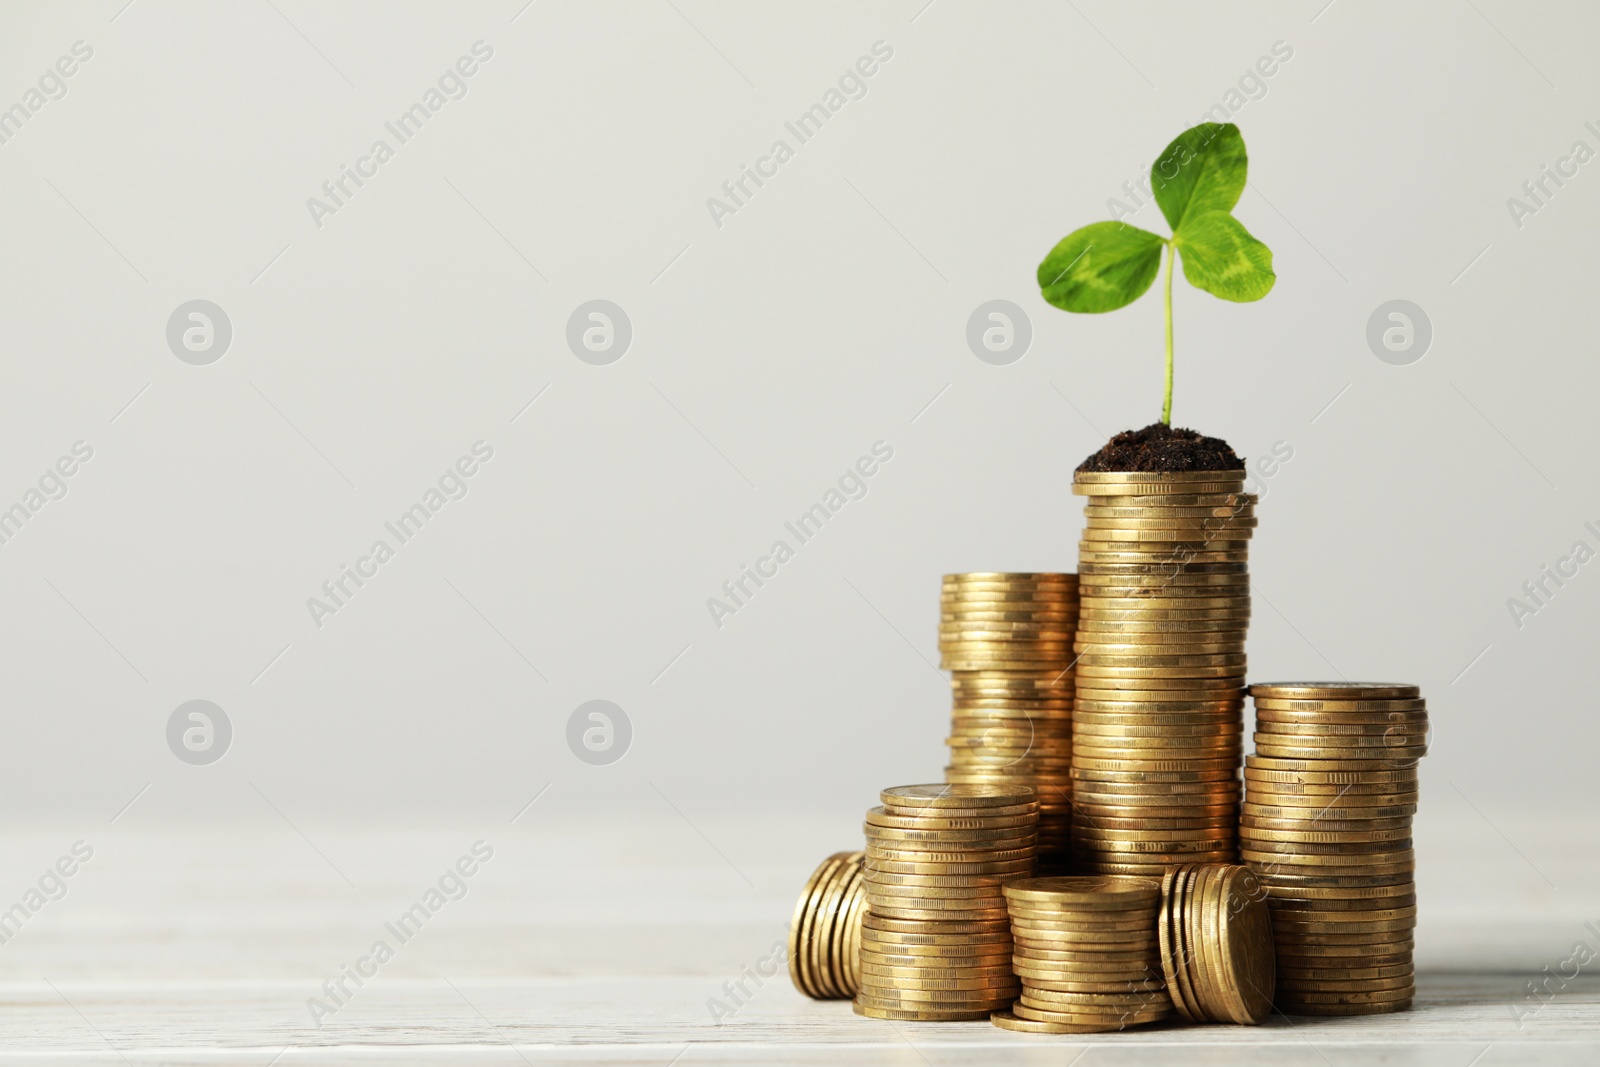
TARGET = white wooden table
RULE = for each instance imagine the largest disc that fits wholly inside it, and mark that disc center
(603, 944)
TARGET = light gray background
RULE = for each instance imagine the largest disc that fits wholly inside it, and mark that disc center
(768, 354)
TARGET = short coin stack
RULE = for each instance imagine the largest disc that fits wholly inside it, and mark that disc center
(1006, 638)
(1216, 943)
(936, 942)
(1157, 727)
(1327, 828)
(1087, 954)
(825, 933)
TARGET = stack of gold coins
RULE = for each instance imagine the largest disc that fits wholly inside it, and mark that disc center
(935, 942)
(1327, 828)
(1087, 954)
(1006, 638)
(825, 933)
(1157, 720)
(1216, 943)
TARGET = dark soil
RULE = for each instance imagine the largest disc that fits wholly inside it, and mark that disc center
(1159, 447)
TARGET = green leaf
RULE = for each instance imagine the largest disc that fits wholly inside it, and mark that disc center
(1221, 257)
(1202, 170)
(1104, 266)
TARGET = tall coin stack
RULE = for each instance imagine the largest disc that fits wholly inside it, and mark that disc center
(936, 940)
(1327, 828)
(1007, 638)
(1087, 954)
(825, 932)
(1157, 720)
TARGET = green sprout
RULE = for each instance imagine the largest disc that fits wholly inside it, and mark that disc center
(1197, 180)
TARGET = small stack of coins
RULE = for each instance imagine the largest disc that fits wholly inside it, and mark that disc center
(1216, 943)
(1157, 720)
(1327, 828)
(935, 942)
(1087, 954)
(1006, 638)
(825, 933)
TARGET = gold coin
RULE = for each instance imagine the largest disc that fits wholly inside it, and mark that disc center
(1338, 771)
(1376, 893)
(1382, 910)
(1361, 734)
(1274, 710)
(914, 993)
(1125, 552)
(964, 880)
(1215, 788)
(984, 836)
(1355, 723)
(1006, 1020)
(1074, 920)
(939, 915)
(940, 976)
(1261, 817)
(1373, 996)
(1085, 891)
(1185, 659)
(1024, 864)
(1334, 794)
(1077, 965)
(977, 852)
(803, 919)
(919, 797)
(1160, 568)
(936, 818)
(1394, 746)
(930, 823)
(1289, 1008)
(957, 955)
(1289, 928)
(1296, 987)
(1159, 690)
(1351, 805)
(1214, 743)
(1168, 713)
(1311, 854)
(1117, 1019)
(1294, 839)
(1159, 522)
(1299, 975)
(1164, 587)
(1341, 707)
(1179, 511)
(886, 925)
(871, 1011)
(1335, 691)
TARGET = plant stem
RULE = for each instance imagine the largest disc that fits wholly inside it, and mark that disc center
(1166, 402)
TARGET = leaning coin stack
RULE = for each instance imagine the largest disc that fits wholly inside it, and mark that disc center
(825, 933)
(1157, 719)
(1087, 954)
(936, 941)
(1006, 638)
(1327, 828)
(1216, 943)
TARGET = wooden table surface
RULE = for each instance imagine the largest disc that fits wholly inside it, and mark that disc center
(605, 943)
